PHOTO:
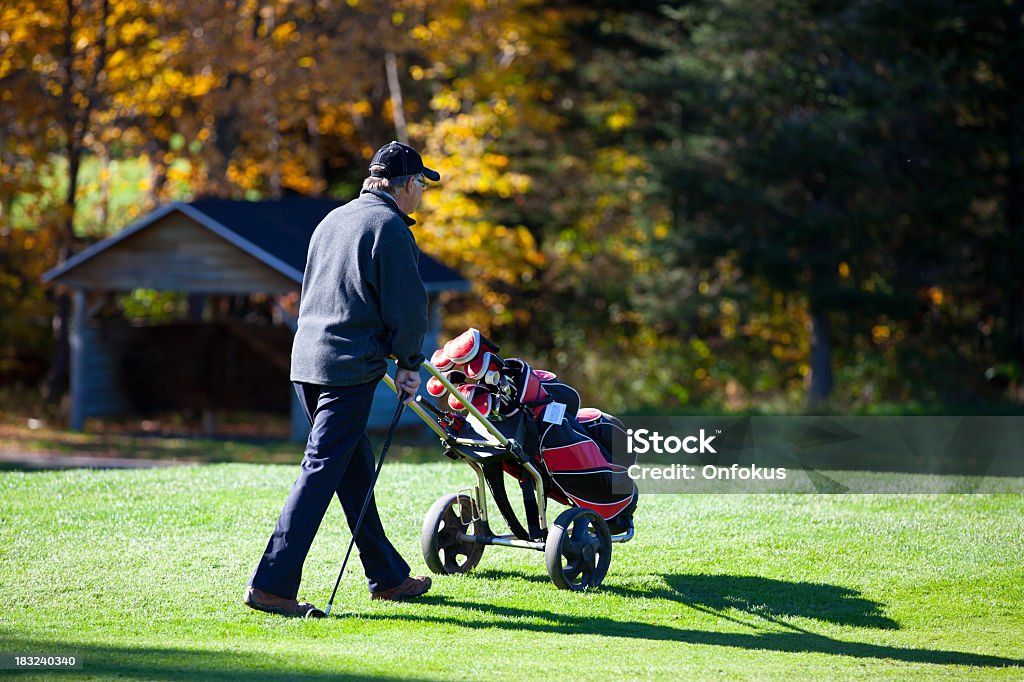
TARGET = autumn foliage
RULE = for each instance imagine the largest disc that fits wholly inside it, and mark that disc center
(673, 204)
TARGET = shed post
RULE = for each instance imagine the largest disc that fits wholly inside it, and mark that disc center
(433, 338)
(300, 425)
(76, 342)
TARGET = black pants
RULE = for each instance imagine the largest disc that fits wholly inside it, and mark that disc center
(338, 460)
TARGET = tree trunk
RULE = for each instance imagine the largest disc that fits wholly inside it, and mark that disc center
(821, 359)
(1015, 181)
(397, 105)
(57, 381)
(274, 149)
(157, 173)
(318, 167)
(76, 126)
(103, 219)
(227, 133)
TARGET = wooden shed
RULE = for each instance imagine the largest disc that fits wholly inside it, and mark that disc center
(215, 253)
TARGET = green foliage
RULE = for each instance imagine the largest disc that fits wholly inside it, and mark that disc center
(24, 328)
(802, 159)
(154, 306)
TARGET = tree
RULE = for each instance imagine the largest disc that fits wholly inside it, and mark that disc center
(797, 148)
(56, 65)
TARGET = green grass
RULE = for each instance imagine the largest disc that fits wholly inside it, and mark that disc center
(47, 440)
(141, 574)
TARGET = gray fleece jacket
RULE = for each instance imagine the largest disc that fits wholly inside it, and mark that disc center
(362, 295)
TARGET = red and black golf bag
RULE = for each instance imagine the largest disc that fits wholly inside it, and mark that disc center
(570, 445)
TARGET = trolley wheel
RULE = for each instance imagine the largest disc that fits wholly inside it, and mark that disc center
(578, 549)
(442, 549)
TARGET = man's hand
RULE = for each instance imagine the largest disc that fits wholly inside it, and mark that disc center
(407, 382)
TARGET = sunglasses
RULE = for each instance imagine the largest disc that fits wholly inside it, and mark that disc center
(422, 181)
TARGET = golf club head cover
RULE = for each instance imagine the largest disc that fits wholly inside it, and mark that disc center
(439, 360)
(467, 345)
(588, 414)
(480, 397)
(454, 404)
(483, 400)
(484, 366)
(435, 388)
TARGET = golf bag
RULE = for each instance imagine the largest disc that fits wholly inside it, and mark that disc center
(570, 445)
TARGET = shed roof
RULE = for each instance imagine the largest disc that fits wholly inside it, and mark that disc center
(274, 232)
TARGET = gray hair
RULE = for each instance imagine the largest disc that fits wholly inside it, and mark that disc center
(389, 185)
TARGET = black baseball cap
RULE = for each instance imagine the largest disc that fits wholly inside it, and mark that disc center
(395, 160)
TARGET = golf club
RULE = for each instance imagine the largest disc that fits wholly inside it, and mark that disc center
(369, 496)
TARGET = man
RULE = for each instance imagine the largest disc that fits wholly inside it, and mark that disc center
(362, 300)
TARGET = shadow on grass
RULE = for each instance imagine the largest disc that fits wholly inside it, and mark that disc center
(127, 662)
(762, 597)
(801, 641)
(772, 599)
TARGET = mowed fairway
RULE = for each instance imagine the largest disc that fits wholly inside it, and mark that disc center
(140, 573)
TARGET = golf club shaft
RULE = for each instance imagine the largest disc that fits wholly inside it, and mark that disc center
(369, 496)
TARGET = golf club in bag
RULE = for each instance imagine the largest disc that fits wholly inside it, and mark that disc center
(369, 496)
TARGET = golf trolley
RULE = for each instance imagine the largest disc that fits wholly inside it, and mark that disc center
(457, 527)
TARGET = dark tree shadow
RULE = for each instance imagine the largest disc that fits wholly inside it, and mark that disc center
(763, 597)
(114, 662)
(774, 599)
(796, 641)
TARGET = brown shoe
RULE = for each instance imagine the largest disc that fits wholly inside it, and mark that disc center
(410, 587)
(264, 601)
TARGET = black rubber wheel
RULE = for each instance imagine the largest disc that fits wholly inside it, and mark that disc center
(442, 549)
(578, 549)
